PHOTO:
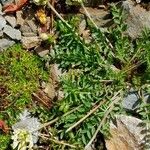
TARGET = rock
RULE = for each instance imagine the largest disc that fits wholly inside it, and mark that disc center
(100, 17)
(1, 34)
(30, 42)
(11, 20)
(32, 25)
(25, 29)
(29, 27)
(27, 22)
(127, 133)
(131, 101)
(4, 2)
(138, 18)
(12, 33)
(41, 51)
(2, 22)
(0, 8)
(5, 43)
(19, 18)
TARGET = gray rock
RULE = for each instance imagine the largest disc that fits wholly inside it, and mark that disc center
(12, 33)
(30, 42)
(1, 34)
(2, 22)
(138, 18)
(5, 43)
(131, 101)
(4, 2)
(11, 20)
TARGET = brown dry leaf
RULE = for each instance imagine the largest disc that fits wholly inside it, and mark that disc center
(85, 33)
(3, 126)
(86, 36)
(41, 16)
(41, 97)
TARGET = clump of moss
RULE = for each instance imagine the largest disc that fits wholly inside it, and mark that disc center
(4, 142)
(20, 73)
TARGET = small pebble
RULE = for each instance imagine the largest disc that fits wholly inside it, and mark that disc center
(11, 20)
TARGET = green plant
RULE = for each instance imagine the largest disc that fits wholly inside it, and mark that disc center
(4, 141)
(20, 73)
(99, 74)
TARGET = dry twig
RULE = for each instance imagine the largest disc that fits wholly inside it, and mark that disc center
(86, 116)
(56, 141)
(115, 99)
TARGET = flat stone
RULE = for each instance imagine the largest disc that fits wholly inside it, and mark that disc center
(5, 43)
(11, 20)
(41, 51)
(127, 133)
(30, 42)
(12, 33)
(138, 18)
(2, 22)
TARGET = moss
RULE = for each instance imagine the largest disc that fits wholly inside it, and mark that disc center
(20, 73)
(4, 142)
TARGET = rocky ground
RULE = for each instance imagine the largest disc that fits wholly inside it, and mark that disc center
(24, 27)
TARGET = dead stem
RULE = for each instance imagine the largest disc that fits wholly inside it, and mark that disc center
(52, 17)
(56, 119)
(88, 15)
(115, 99)
(86, 116)
(56, 141)
(58, 15)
